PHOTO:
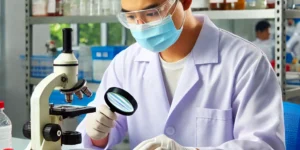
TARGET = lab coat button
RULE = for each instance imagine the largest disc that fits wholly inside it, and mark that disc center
(170, 130)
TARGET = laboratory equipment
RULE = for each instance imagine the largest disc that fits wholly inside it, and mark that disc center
(120, 101)
(115, 7)
(271, 3)
(98, 7)
(85, 62)
(106, 7)
(84, 7)
(67, 8)
(256, 4)
(235, 4)
(217, 4)
(44, 129)
(5, 129)
(91, 7)
(75, 7)
(198, 5)
(39, 8)
(55, 8)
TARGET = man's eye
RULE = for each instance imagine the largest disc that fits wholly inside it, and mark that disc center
(130, 17)
(152, 14)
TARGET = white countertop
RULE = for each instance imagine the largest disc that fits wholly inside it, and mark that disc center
(21, 144)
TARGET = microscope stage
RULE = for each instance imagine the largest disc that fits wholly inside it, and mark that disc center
(70, 111)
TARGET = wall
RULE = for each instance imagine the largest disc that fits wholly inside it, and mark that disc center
(14, 74)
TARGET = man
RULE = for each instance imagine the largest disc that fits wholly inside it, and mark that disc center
(197, 86)
(293, 45)
(263, 40)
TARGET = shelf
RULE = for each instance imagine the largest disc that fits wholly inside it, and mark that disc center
(73, 19)
(293, 75)
(293, 13)
(291, 93)
(239, 14)
(92, 86)
(229, 14)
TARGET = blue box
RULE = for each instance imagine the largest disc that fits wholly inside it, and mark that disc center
(106, 52)
(103, 52)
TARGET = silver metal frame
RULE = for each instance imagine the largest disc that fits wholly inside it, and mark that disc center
(2, 28)
(28, 53)
(280, 44)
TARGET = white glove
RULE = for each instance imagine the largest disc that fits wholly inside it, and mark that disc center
(161, 142)
(99, 124)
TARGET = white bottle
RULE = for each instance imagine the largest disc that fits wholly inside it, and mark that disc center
(5, 129)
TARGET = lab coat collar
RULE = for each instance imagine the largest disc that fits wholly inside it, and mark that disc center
(202, 53)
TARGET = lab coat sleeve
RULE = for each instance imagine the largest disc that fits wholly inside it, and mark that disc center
(112, 77)
(257, 109)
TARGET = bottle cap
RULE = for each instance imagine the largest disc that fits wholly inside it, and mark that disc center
(1, 104)
(8, 149)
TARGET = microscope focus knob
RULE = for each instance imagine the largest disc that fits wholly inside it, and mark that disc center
(71, 138)
(27, 130)
(52, 132)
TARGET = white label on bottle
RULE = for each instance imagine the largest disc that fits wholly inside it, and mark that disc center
(271, 1)
(216, 1)
(39, 8)
(200, 4)
(51, 6)
(231, 1)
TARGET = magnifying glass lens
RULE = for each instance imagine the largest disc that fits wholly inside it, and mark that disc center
(120, 102)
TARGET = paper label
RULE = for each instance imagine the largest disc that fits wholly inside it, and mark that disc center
(216, 1)
(51, 6)
(231, 1)
(199, 4)
(270, 1)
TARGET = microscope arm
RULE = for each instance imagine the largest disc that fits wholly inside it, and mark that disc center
(40, 110)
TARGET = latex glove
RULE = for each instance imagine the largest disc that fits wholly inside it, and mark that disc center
(99, 124)
(161, 142)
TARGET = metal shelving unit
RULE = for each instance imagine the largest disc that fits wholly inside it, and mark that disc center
(279, 14)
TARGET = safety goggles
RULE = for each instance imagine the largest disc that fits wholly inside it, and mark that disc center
(147, 17)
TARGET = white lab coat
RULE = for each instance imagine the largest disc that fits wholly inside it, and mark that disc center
(227, 98)
(267, 46)
(293, 45)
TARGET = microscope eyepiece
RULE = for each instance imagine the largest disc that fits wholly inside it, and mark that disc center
(67, 40)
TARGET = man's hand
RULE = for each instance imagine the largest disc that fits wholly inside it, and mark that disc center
(161, 142)
(99, 124)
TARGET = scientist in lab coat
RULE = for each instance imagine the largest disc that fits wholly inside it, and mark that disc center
(263, 40)
(196, 85)
(293, 45)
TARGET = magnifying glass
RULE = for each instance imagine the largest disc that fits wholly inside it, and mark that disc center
(120, 101)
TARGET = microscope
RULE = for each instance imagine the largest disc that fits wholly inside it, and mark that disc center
(44, 129)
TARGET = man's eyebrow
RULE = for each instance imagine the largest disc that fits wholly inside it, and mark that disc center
(148, 7)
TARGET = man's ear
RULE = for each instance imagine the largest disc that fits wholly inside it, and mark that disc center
(187, 3)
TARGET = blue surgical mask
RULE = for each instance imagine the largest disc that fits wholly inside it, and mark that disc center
(159, 37)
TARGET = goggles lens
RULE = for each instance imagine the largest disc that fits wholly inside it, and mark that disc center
(129, 19)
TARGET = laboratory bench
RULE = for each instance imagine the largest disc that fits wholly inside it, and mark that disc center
(21, 144)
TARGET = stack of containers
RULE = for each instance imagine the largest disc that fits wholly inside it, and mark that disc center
(102, 56)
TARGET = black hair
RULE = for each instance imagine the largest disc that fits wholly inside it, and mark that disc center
(262, 26)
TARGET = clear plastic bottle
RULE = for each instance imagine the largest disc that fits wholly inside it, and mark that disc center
(217, 4)
(5, 129)
(106, 7)
(256, 4)
(84, 7)
(115, 7)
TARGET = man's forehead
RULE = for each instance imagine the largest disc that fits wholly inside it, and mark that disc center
(133, 5)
